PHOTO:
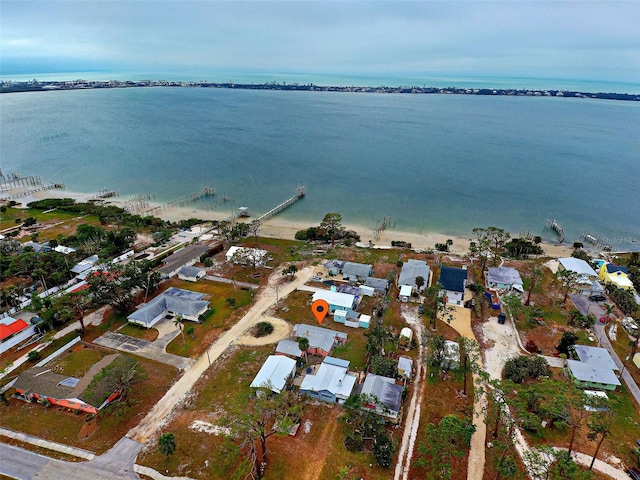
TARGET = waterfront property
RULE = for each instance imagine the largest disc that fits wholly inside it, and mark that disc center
(274, 373)
(611, 274)
(184, 257)
(174, 302)
(413, 269)
(453, 281)
(332, 382)
(504, 278)
(356, 272)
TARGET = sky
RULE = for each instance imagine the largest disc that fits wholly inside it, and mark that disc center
(590, 40)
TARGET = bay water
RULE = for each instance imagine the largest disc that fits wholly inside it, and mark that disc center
(431, 163)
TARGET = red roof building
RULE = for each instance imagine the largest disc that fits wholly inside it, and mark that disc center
(9, 330)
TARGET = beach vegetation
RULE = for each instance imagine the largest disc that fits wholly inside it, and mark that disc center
(488, 243)
(329, 230)
(522, 248)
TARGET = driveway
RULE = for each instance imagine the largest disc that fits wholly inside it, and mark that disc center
(143, 348)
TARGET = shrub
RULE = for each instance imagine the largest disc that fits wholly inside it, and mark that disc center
(263, 329)
(524, 367)
(34, 356)
(567, 341)
(532, 347)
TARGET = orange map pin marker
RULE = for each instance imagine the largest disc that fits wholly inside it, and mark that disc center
(320, 308)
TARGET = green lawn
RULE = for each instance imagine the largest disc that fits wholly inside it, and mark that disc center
(77, 363)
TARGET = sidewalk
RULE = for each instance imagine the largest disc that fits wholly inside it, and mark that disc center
(57, 447)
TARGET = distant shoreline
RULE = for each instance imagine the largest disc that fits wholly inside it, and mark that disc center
(45, 86)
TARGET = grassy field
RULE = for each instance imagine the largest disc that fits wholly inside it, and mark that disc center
(78, 362)
(59, 222)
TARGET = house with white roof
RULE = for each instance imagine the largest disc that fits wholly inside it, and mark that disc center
(173, 301)
(331, 383)
(405, 367)
(336, 300)
(587, 283)
(274, 373)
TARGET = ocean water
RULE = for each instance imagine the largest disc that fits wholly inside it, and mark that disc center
(430, 162)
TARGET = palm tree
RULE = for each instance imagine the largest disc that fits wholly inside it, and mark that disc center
(536, 275)
(608, 310)
(303, 345)
(177, 321)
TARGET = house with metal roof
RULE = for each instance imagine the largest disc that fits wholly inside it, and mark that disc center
(11, 328)
(586, 375)
(453, 281)
(336, 300)
(191, 274)
(332, 382)
(405, 367)
(380, 285)
(382, 395)
(255, 257)
(274, 373)
(412, 269)
(596, 368)
(587, 283)
(85, 264)
(356, 272)
(504, 278)
(322, 341)
(185, 257)
(173, 301)
(288, 348)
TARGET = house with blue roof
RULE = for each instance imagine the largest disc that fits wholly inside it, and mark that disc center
(453, 281)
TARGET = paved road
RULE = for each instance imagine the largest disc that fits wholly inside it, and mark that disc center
(585, 306)
(116, 464)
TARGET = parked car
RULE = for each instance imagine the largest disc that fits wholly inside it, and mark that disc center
(634, 473)
(597, 298)
(604, 319)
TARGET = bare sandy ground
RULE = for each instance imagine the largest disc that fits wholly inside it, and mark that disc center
(281, 330)
(286, 229)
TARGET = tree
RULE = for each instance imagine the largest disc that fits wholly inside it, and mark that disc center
(450, 438)
(436, 350)
(167, 444)
(567, 341)
(290, 271)
(600, 424)
(489, 242)
(303, 345)
(535, 276)
(469, 359)
(268, 415)
(119, 376)
(435, 305)
(36, 304)
(177, 321)
(383, 366)
(568, 279)
(538, 461)
(608, 310)
(419, 281)
(331, 226)
(254, 228)
(383, 450)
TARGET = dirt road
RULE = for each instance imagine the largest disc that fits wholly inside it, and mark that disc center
(405, 453)
(156, 417)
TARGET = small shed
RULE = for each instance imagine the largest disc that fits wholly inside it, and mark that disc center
(340, 316)
(406, 335)
(405, 367)
(405, 293)
(364, 321)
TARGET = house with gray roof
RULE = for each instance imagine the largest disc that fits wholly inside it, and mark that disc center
(173, 301)
(382, 395)
(356, 272)
(191, 274)
(186, 256)
(288, 348)
(85, 264)
(596, 368)
(380, 285)
(321, 340)
(332, 382)
(412, 269)
(504, 278)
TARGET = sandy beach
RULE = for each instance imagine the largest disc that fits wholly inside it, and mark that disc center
(286, 229)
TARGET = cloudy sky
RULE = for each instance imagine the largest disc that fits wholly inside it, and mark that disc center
(594, 40)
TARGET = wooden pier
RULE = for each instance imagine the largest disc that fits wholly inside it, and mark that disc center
(381, 226)
(595, 241)
(556, 227)
(16, 181)
(301, 191)
(140, 203)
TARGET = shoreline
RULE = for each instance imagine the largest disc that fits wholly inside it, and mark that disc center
(286, 229)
